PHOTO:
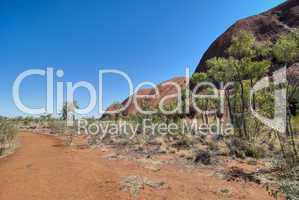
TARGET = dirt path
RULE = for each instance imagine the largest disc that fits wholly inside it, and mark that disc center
(43, 169)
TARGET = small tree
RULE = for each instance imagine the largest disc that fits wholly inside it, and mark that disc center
(286, 51)
(67, 109)
(203, 103)
(8, 133)
(245, 62)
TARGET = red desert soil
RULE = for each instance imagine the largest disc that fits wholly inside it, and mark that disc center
(42, 169)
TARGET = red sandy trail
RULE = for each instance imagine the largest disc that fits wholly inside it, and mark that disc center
(43, 169)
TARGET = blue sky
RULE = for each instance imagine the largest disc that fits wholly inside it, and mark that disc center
(151, 40)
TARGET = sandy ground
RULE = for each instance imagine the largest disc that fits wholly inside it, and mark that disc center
(42, 168)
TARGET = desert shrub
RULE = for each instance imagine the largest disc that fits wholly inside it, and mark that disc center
(291, 189)
(287, 179)
(242, 149)
(8, 132)
(203, 157)
(182, 143)
(57, 126)
(212, 145)
(255, 151)
(26, 121)
(286, 166)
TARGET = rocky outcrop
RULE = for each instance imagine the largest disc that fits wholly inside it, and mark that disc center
(293, 74)
(164, 89)
(265, 26)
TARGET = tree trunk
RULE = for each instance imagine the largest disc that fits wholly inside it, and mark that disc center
(229, 107)
(243, 109)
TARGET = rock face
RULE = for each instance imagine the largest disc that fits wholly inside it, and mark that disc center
(165, 89)
(293, 74)
(265, 26)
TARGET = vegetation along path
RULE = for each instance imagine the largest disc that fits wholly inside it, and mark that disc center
(43, 168)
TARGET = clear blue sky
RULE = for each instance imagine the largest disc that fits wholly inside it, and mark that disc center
(150, 40)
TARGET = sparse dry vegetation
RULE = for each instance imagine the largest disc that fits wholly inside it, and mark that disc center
(273, 154)
(8, 133)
